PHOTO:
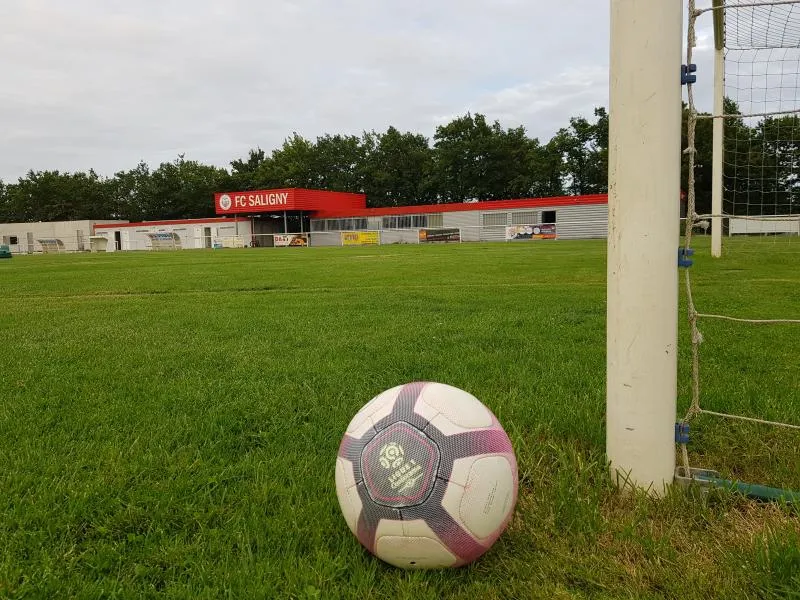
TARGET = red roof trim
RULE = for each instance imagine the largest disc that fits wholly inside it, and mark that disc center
(465, 206)
(174, 222)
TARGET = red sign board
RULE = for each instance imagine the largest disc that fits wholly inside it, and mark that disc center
(259, 201)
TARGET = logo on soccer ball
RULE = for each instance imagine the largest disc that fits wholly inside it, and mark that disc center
(225, 202)
(391, 455)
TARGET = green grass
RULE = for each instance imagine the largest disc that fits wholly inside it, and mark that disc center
(169, 421)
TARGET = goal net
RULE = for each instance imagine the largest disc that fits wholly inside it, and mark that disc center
(746, 380)
(760, 43)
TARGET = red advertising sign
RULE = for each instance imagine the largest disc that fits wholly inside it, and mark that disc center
(261, 201)
(254, 201)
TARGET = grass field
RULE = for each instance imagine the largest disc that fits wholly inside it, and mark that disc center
(169, 421)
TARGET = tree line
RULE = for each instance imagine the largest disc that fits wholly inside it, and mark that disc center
(468, 158)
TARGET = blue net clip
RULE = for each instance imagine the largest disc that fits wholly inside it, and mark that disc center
(686, 74)
(683, 257)
(681, 433)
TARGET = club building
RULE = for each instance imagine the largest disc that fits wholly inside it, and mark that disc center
(318, 218)
(303, 217)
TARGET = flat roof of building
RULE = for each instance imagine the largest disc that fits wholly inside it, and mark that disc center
(174, 222)
(520, 203)
(322, 204)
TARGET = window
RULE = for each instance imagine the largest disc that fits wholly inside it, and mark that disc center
(524, 217)
(495, 219)
(548, 216)
(411, 221)
(339, 224)
(13, 240)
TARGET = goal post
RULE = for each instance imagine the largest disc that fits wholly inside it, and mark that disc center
(718, 165)
(643, 239)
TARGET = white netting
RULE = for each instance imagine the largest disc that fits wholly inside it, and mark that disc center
(761, 192)
(762, 124)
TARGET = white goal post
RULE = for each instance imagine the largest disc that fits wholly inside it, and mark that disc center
(718, 166)
(643, 239)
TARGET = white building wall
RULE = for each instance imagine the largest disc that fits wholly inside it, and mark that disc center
(467, 221)
(73, 234)
(192, 234)
(581, 222)
(325, 238)
(400, 236)
(586, 221)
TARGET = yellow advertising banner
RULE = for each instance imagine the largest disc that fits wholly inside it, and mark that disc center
(361, 238)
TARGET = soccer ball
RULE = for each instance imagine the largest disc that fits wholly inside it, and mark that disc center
(426, 476)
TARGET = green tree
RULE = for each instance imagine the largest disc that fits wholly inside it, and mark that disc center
(5, 203)
(546, 171)
(704, 154)
(56, 196)
(583, 147)
(397, 168)
(291, 165)
(338, 162)
(245, 173)
(760, 164)
(476, 160)
(776, 143)
(132, 193)
(183, 189)
(460, 159)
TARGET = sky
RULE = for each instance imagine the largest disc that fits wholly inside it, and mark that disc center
(106, 84)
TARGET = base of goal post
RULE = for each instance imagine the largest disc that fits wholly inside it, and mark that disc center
(707, 479)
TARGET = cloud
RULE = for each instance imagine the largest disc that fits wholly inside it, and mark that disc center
(105, 84)
(545, 106)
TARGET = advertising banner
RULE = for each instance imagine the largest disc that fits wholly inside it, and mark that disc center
(254, 201)
(360, 238)
(285, 199)
(291, 239)
(546, 231)
(439, 235)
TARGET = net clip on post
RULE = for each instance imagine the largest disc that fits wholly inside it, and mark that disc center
(687, 74)
(683, 257)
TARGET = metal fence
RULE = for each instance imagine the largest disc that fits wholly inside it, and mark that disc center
(168, 241)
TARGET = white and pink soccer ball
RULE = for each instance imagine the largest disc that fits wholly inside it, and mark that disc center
(426, 476)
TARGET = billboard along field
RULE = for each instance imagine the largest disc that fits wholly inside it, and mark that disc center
(169, 422)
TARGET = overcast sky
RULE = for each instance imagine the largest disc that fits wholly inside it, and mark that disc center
(105, 83)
